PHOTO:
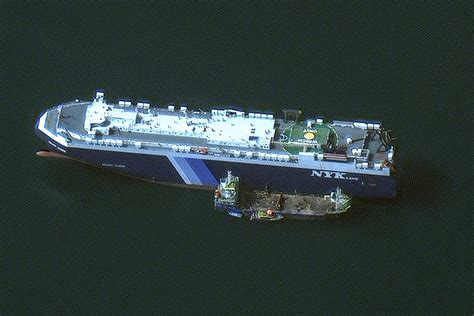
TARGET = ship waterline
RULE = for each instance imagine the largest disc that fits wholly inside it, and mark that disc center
(195, 148)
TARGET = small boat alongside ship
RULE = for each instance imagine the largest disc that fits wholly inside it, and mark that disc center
(266, 216)
(266, 205)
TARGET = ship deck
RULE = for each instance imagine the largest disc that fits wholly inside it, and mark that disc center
(70, 119)
(288, 204)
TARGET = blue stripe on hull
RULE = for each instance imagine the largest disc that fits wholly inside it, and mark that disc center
(203, 172)
(187, 171)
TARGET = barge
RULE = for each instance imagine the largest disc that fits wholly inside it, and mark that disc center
(265, 205)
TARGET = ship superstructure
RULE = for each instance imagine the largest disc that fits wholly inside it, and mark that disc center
(182, 146)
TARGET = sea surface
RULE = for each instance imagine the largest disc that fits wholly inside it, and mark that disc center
(78, 240)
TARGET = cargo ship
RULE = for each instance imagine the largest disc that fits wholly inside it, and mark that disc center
(177, 145)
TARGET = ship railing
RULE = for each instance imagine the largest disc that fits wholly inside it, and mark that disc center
(370, 165)
(162, 131)
(363, 124)
(243, 144)
(359, 162)
(360, 153)
(214, 151)
(104, 142)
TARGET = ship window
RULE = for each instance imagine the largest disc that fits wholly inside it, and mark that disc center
(253, 138)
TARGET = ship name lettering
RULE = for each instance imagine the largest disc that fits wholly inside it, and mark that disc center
(331, 174)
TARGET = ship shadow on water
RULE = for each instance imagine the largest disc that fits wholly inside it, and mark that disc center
(420, 185)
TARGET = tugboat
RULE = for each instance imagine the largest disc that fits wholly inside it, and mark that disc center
(269, 215)
(268, 206)
(226, 195)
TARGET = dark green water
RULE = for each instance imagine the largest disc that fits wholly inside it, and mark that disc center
(75, 239)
